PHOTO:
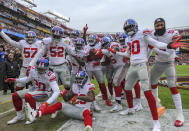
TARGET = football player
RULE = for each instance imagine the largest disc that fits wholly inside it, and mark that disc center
(139, 70)
(79, 97)
(29, 46)
(45, 89)
(165, 62)
(93, 66)
(55, 47)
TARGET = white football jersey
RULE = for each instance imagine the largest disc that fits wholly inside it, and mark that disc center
(167, 37)
(138, 48)
(115, 59)
(56, 51)
(82, 92)
(90, 63)
(42, 81)
(29, 51)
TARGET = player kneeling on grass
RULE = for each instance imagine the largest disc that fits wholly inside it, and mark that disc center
(80, 97)
(45, 89)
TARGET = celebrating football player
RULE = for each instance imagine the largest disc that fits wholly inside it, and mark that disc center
(165, 62)
(80, 97)
(45, 89)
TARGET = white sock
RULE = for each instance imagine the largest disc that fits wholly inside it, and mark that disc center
(156, 123)
(177, 101)
(138, 101)
(19, 113)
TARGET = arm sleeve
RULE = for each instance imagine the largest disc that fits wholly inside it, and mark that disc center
(125, 54)
(39, 54)
(54, 86)
(24, 79)
(9, 40)
(155, 43)
(163, 53)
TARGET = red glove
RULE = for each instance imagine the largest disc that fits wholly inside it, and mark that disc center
(28, 70)
(176, 44)
(63, 93)
(177, 59)
(73, 100)
(96, 63)
(112, 50)
(43, 106)
(85, 28)
(10, 80)
(1, 28)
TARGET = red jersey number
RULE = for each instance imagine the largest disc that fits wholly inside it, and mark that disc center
(30, 52)
(56, 51)
(135, 47)
(40, 85)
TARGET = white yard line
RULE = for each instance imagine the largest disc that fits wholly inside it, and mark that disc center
(6, 112)
(65, 125)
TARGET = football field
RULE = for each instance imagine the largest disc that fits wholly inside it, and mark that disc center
(47, 124)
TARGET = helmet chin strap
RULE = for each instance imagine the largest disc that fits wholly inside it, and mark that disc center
(131, 33)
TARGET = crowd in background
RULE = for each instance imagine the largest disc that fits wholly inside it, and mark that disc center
(10, 64)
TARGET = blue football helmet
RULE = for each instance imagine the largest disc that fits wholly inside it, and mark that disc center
(79, 43)
(117, 34)
(57, 33)
(75, 34)
(92, 39)
(30, 37)
(122, 37)
(109, 36)
(130, 27)
(42, 65)
(81, 78)
(105, 42)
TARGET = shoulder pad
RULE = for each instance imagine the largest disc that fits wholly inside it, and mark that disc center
(46, 41)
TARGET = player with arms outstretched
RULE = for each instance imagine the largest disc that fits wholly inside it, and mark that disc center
(29, 46)
(45, 89)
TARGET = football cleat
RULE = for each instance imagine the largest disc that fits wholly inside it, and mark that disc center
(108, 102)
(138, 107)
(28, 122)
(129, 111)
(30, 113)
(16, 119)
(53, 115)
(179, 119)
(156, 127)
(96, 107)
(88, 128)
(116, 108)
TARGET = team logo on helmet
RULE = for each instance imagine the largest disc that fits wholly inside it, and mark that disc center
(30, 37)
(42, 65)
(81, 78)
(57, 33)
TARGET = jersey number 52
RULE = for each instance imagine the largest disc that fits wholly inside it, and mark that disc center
(56, 51)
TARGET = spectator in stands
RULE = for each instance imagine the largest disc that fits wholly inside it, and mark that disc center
(2, 60)
(11, 68)
(18, 57)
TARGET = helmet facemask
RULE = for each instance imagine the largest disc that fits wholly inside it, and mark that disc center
(80, 80)
(130, 30)
(56, 38)
(30, 39)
